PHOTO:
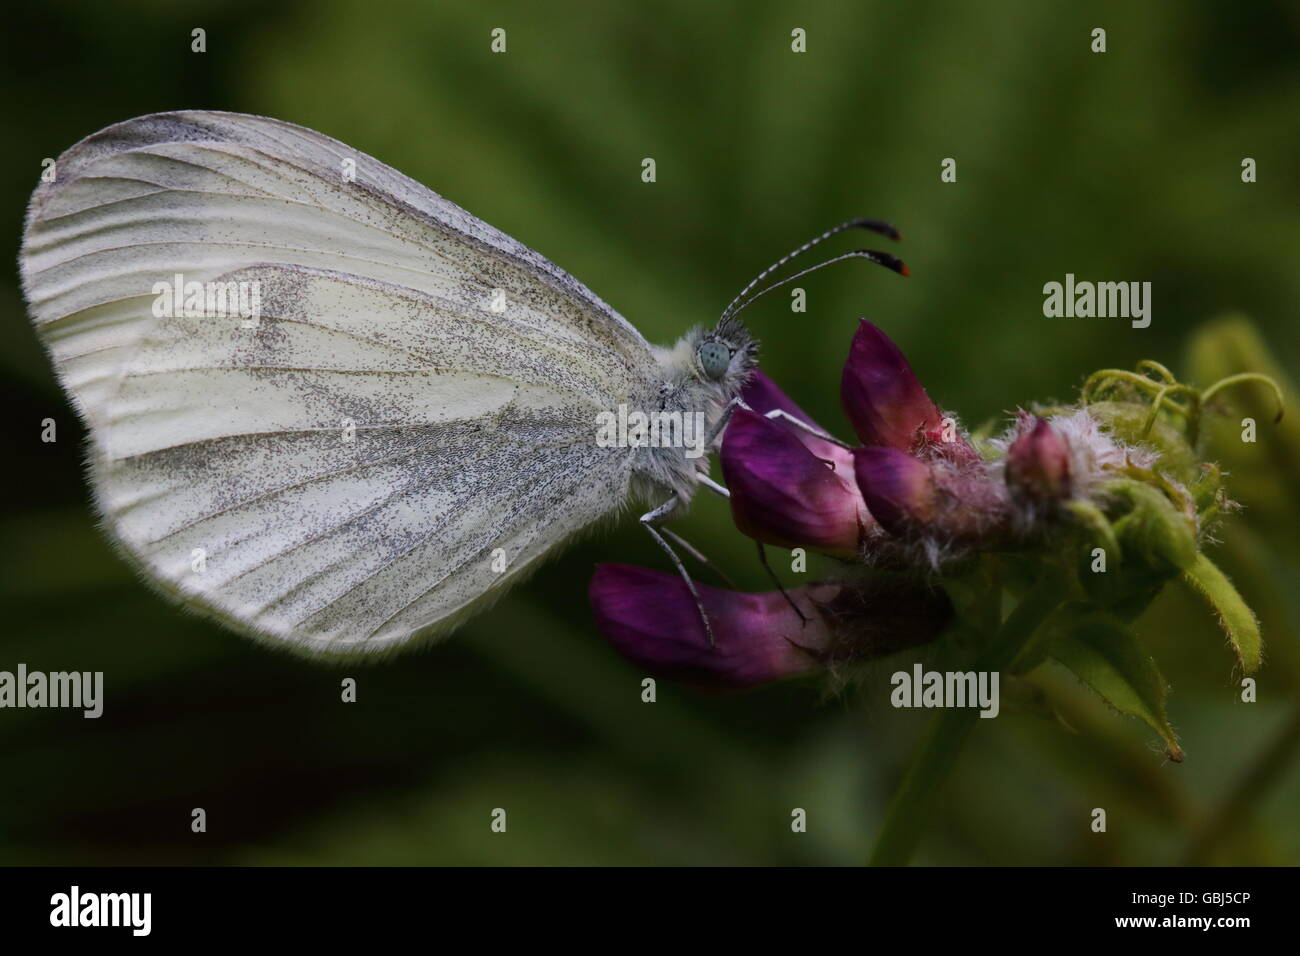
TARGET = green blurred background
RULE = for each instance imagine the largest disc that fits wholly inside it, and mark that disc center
(1118, 166)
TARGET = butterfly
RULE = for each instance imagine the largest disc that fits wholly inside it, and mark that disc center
(327, 406)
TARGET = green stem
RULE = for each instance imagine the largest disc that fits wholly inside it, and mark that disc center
(910, 807)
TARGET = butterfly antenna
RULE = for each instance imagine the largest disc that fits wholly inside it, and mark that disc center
(871, 255)
(874, 225)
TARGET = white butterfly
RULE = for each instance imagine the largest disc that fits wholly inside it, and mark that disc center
(402, 424)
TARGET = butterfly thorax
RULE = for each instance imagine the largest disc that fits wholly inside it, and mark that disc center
(699, 376)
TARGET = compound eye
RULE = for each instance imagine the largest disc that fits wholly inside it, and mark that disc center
(715, 359)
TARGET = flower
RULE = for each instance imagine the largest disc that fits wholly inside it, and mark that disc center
(790, 488)
(900, 490)
(915, 476)
(652, 619)
(1038, 461)
(764, 396)
(923, 509)
(882, 396)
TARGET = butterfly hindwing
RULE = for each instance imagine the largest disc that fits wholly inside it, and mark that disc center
(410, 411)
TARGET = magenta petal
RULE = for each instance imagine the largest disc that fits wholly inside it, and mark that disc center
(783, 494)
(763, 396)
(882, 396)
(652, 619)
(899, 489)
(1038, 462)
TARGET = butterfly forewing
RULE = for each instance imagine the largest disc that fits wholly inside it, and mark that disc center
(404, 426)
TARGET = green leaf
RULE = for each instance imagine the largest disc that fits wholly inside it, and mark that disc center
(1207, 490)
(1154, 528)
(1094, 521)
(1235, 616)
(1021, 695)
(1104, 654)
(1264, 472)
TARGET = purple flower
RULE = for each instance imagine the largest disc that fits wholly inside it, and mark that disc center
(763, 396)
(938, 500)
(882, 396)
(900, 490)
(784, 493)
(916, 476)
(651, 618)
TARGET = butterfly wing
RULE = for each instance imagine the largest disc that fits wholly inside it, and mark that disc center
(405, 425)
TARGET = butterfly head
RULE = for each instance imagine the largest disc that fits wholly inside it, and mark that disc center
(726, 355)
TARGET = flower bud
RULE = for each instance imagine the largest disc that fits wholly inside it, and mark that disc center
(882, 396)
(1038, 462)
(900, 490)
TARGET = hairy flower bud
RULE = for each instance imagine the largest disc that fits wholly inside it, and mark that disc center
(1038, 462)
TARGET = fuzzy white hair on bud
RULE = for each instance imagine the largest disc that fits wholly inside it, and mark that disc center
(1094, 453)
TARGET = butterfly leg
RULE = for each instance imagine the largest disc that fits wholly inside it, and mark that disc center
(714, 487)
(718, 489)
(804, 426)
(725, 417)
(693, 551)
(697, 554)
(649, 521)
(774, 413)
(762, 557)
